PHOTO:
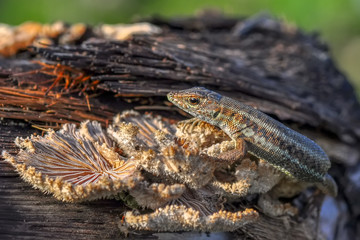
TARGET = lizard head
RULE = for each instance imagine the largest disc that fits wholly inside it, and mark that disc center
(198, 101)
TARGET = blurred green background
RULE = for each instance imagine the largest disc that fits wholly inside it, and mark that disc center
(337, 21)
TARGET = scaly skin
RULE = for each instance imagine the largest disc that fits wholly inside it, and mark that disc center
(266, 138)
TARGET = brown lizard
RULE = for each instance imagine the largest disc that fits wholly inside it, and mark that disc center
(259, 134)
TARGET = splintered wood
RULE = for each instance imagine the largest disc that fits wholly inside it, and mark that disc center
(51, 109)
(56, 77)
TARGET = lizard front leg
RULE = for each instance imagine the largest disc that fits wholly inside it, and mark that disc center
(192, 125)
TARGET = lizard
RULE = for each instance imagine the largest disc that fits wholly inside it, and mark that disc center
(259, 134)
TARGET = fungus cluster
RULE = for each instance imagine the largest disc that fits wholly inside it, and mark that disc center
(175, 171)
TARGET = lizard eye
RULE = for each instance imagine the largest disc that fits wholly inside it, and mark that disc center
(194, 101)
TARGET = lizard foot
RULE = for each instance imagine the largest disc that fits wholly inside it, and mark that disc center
(190, 124)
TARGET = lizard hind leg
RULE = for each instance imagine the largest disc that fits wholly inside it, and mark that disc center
(235, 154)
(328, 186)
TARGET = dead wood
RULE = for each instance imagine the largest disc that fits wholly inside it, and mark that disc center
(260, 61)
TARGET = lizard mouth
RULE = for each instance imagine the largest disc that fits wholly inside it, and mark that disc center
(177, 99)
(172, 98)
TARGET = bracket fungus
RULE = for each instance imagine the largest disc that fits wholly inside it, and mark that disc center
(174, 171)
(74, 164)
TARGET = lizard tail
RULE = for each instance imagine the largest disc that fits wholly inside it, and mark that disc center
(328, 186)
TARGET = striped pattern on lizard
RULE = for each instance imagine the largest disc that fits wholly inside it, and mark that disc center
(259, 134)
